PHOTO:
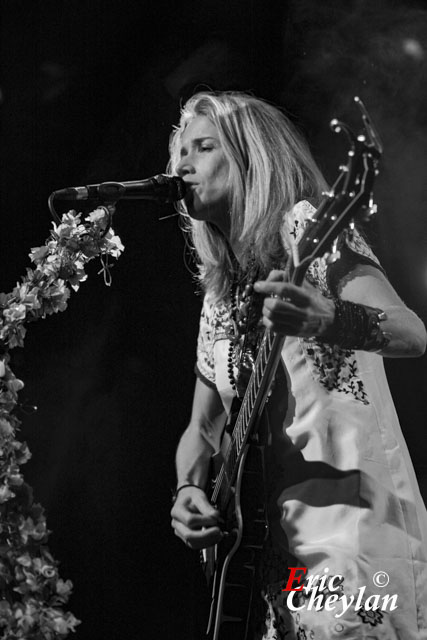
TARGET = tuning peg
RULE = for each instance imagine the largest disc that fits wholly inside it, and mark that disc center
(332, 257)
(369, 210)
(328, 194)
(335, 253)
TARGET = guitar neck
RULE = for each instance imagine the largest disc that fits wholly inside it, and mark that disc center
(251, 409)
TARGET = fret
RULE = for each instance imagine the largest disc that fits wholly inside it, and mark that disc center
(252, 395)
(247, 403)
(242, 433)
(242, 424)
(239, 438)
(263, 358)
(236, 439)
(234, 455)
(258, 376)
(243, 413)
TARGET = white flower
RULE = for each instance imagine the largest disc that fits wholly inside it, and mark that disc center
(5, 493)
(63, 588)
(15, 313)
(96, 216)
(6, 428)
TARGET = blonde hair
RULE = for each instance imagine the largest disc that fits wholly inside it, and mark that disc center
(271, 169)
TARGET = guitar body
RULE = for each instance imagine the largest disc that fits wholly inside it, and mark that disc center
(230, 565)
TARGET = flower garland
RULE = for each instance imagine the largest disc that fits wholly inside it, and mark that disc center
(31, 592)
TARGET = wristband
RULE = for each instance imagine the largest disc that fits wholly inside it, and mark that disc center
(184, 486)
(358, 326)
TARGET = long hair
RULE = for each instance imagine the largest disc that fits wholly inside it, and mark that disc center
(271, 169)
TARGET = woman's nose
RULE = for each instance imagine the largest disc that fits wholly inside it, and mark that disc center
(184, 167)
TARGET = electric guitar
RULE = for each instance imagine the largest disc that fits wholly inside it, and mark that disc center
(230, 565)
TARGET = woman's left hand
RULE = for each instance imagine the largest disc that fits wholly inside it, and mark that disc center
(292, 310)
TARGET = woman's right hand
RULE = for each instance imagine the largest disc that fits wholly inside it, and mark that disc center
(195, 520)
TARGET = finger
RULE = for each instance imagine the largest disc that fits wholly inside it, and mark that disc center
(278, 308)
(202, 503)
(276, 275)
(285, 329)
(291, 324)
(197, 501)
(193, 518)
(197, 539)
(284, 291)
(283, 317)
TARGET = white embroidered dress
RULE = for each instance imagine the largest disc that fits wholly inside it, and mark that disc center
(345, 499)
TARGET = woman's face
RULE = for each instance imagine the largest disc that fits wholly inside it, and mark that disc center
(205, 170)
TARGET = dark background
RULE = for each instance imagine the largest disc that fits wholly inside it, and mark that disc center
(89, 92)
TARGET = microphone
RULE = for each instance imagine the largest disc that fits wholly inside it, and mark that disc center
(162, 188)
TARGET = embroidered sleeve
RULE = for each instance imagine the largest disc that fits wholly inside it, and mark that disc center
(352, 247)
(205, 365)
(296, 221)
(353, 250)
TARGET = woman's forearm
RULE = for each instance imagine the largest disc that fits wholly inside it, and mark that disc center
(193, 457)
(407, 333)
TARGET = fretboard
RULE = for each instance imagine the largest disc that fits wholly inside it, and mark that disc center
(252, 405)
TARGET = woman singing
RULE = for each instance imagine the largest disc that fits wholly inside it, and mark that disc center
(342, 495)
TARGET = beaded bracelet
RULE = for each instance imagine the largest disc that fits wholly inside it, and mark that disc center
(357, 326)
(184, 486)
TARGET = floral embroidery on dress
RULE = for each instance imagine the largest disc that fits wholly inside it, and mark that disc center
(237, 321)
(317, 276)
(214, 325)
(220, 322)
(334, 368)
(205, 354)
(370, 616)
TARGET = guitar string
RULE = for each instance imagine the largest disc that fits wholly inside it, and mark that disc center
(239, 428)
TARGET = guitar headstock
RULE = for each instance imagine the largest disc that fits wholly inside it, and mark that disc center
(351, 195)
